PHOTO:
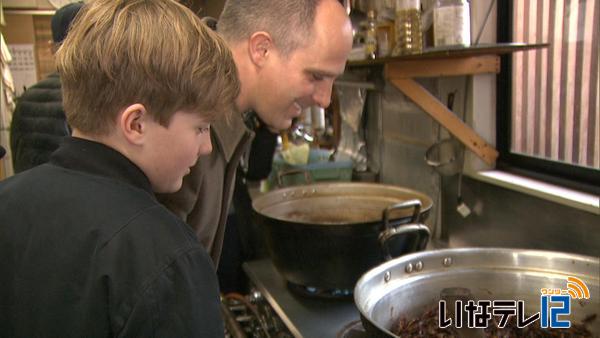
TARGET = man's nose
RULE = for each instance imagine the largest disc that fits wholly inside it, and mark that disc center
(322, 95)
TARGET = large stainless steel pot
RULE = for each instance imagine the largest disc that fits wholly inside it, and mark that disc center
(409, 285)
(327, 235)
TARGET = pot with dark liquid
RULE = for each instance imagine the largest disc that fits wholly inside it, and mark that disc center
(327, 235)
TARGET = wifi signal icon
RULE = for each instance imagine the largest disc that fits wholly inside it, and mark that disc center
(577, 288)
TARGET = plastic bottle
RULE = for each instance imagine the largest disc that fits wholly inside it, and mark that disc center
(371, 36)
(451, 23)
(408, 27)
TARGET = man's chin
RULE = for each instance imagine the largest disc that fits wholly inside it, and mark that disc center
(280, 126)
(274, 130)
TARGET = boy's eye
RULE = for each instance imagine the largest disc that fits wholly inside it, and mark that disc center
(203, 130)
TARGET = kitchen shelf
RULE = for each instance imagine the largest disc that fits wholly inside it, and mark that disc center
(435, 62)
(454, 52)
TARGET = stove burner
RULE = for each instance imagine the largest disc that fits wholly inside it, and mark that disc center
(354, 329)
(312, 292)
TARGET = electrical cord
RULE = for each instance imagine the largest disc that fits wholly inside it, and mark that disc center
(462, 208)
(487, 16)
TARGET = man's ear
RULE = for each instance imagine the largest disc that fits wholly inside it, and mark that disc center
(260, 46)
(133, 123)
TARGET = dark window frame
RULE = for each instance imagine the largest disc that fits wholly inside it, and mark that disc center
(571, 176)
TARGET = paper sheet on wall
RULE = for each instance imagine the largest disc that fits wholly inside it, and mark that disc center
(22, 66)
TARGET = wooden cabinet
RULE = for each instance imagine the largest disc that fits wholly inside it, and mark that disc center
(27, 4)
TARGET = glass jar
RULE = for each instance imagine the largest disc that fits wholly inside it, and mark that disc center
(371, 36)
(451, 23)
(408, 28)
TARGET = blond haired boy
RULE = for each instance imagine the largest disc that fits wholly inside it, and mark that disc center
(85, 248)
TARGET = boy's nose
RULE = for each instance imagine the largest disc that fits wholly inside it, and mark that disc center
(205, 147)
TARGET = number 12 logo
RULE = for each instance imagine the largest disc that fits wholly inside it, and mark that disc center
(550, 313)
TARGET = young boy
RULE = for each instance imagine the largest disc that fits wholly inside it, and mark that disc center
(85, 248)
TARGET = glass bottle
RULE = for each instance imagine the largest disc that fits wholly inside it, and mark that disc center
(408, 27)
(451, 23)
(371, 36)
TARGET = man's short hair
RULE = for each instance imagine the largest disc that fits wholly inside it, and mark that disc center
(289, 22)
(153, 52)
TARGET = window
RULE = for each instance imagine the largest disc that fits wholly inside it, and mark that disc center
(548, 99)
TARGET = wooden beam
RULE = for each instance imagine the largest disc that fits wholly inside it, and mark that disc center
(447, 119)
(442, 67)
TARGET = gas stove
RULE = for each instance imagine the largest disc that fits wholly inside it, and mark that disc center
(303, 315)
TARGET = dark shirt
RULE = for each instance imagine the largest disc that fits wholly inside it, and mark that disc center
(87, 251)
(260, 157)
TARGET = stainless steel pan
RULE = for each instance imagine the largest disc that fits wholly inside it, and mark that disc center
(409, 285)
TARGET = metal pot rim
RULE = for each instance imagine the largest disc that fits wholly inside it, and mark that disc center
(324, 189)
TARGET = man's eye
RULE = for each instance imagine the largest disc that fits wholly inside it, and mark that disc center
(203, 130)
(317, 77)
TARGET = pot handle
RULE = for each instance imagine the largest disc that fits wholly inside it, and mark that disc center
(417, 235)
(414, 203)
(283, 173)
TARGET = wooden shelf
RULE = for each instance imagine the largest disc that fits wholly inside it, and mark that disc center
(454, 52)
(480, 59)
(468, 65)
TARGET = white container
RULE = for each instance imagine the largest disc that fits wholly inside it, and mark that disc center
(451, 23)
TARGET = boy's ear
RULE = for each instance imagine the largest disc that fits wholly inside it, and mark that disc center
(133, 123)
(260, 46)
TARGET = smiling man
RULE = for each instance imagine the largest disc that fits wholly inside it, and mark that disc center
(288, 53)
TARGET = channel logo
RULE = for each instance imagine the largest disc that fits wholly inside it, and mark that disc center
(556, 303)
(577, 288)
(555, 309)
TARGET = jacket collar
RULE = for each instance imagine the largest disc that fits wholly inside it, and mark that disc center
(228, 135)
(98, 159)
